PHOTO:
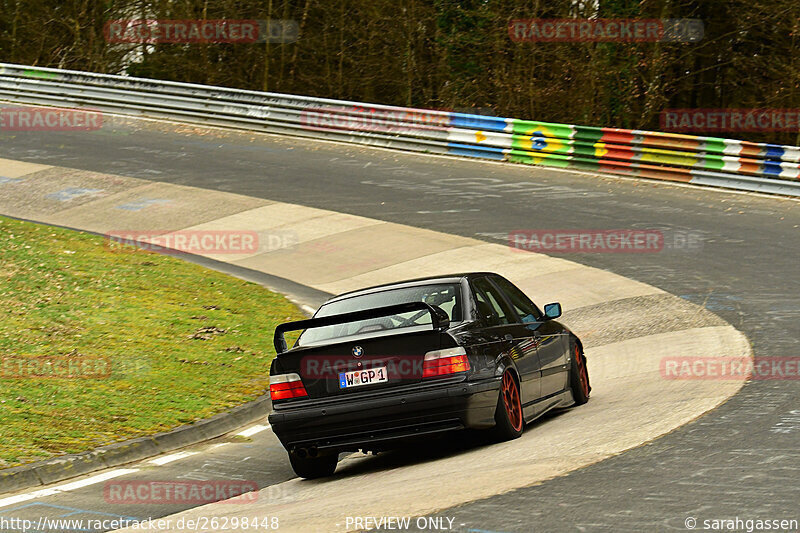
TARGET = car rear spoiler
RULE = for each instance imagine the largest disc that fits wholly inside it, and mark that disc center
(439, 319)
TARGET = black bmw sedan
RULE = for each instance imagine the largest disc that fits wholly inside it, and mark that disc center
(379, 366)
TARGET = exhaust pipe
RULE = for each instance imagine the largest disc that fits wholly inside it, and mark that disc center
(301, 453)
(313, 452)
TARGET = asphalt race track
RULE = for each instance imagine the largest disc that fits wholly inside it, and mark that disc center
(737, 461)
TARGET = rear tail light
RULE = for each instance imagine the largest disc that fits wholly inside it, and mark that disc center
(285, 386)
(445, 362)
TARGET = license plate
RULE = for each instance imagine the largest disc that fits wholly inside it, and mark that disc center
(362, 377)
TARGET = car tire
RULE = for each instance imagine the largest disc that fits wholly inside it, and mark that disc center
(314, 467)
(578, 374)
(509, 421)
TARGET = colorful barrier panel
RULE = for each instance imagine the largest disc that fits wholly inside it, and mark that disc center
(646, 154)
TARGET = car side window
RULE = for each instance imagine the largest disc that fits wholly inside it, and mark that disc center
(523, 307)
(484, 309)
(489, 302)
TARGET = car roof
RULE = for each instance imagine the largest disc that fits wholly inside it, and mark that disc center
(447, 278)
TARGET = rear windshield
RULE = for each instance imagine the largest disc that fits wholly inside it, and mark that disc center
(446, 296)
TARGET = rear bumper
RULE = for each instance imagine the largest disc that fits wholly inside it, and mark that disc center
(384, 421)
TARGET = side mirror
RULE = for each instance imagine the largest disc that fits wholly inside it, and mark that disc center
(552, 311)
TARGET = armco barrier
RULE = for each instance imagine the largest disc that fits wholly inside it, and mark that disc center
(685, 158)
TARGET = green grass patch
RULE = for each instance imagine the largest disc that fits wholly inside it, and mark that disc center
(99, 345)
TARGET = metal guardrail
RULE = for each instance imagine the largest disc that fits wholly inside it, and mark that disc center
(686, 158)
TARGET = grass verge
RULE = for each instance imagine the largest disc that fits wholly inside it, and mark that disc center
(99, 345)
